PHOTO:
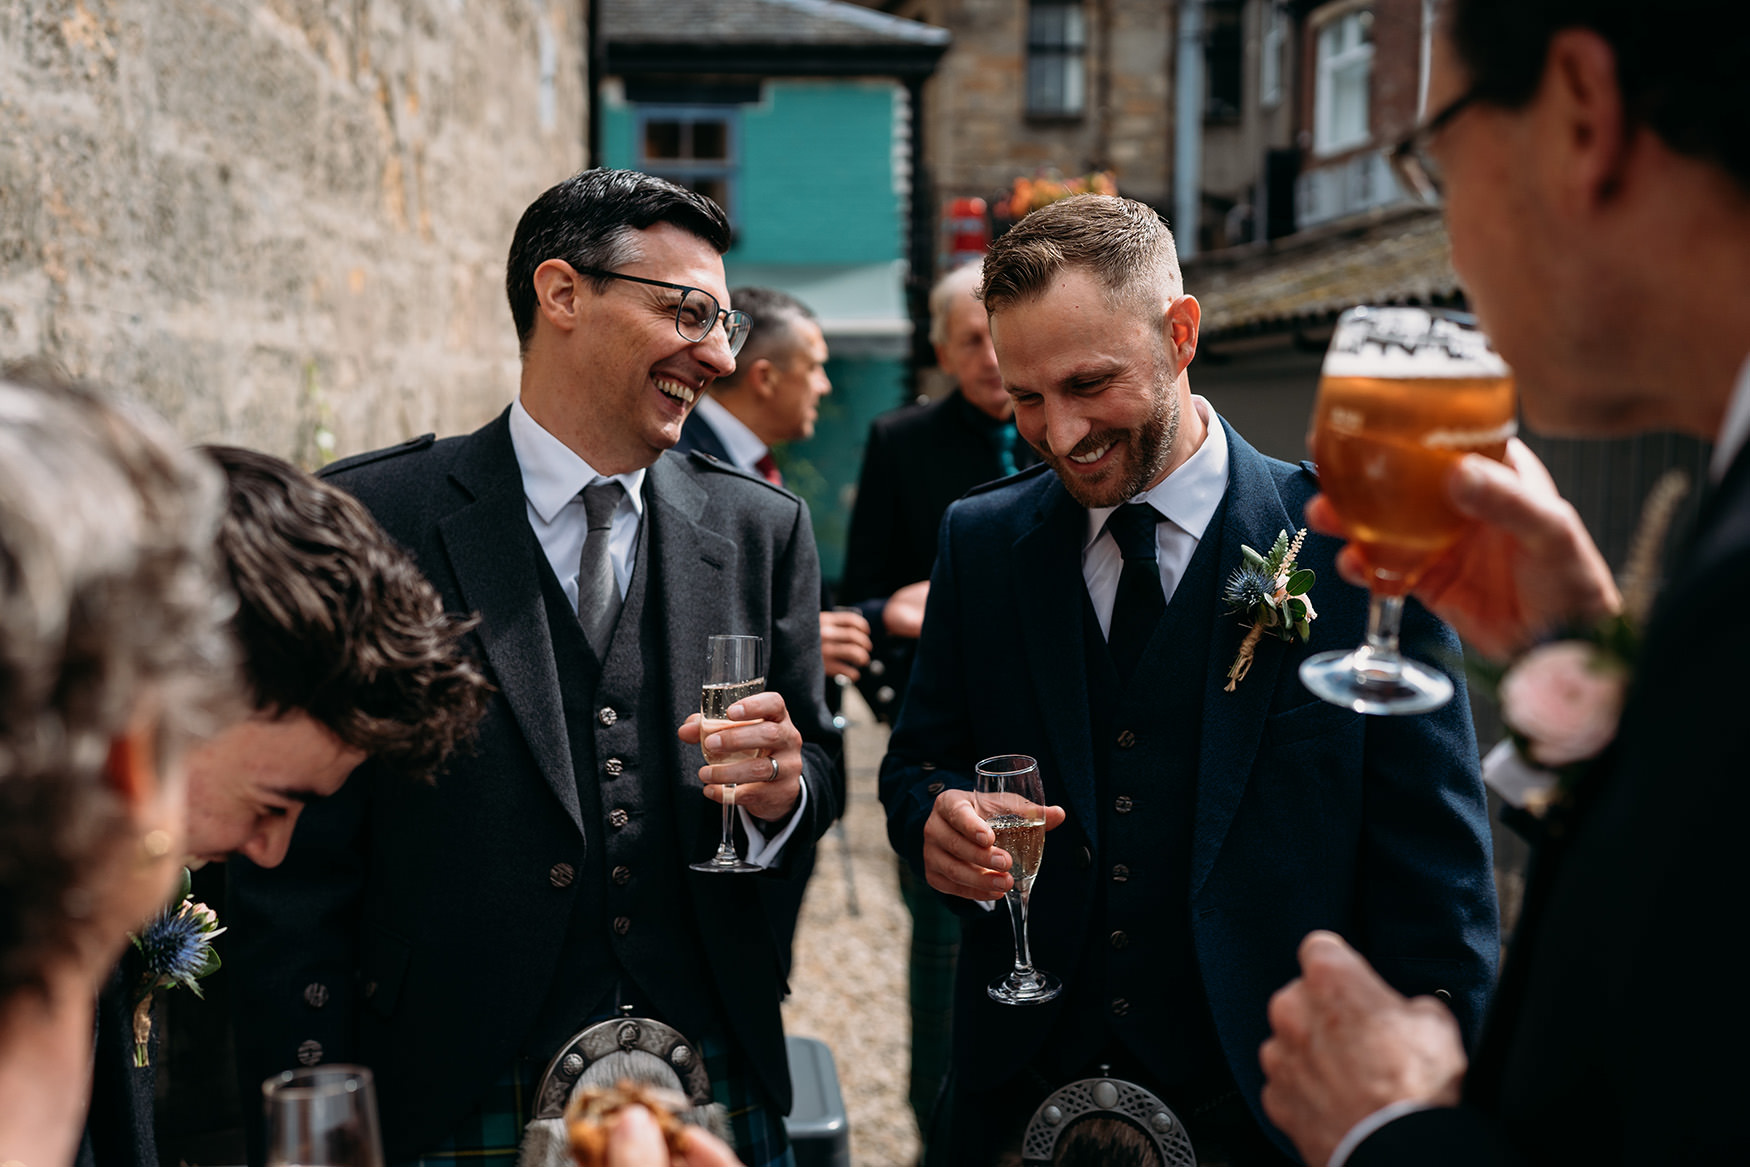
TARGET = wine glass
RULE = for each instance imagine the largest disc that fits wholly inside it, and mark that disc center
(323, 1116)
(1011, 798)
(734, 670)
(1403, 395)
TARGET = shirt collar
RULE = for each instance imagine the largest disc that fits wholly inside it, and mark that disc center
(1189, 495)
(1736, 430)
(744, 446)
(553, 473)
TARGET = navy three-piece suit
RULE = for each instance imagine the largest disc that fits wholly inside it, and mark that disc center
(1207, 832)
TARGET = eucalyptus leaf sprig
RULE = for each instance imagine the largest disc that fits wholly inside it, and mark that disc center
(1270, 591)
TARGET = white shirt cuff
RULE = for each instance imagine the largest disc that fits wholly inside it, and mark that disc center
(1359, 1132)
(764, 852)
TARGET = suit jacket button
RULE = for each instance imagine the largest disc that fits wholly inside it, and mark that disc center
(1120, 873)
(937, 787)
(561, 874)
(310, 1053)
(607, 716)
(370, 989)
(622, 875)
(1084, 858)
(1126, 740)
(1120, 1006)
(622, 925)
(315, 994)
(618, 818)
(613, 766)
(1120, 940)
(1122, 804)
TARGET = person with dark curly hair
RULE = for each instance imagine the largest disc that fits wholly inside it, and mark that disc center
(114, 661)
(348, 655)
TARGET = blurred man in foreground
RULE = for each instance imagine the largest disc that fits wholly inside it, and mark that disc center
(1595, 166)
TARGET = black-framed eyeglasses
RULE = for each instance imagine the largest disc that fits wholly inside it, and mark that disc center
(1415, 166)
(697, 313)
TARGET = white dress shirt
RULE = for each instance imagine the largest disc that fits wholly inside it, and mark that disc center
(1735, 431)
(744, 446)
(553, 480)
(1186, 498)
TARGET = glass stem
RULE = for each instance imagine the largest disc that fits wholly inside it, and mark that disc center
(726, 849)
(1384, 614)
(1018, 916)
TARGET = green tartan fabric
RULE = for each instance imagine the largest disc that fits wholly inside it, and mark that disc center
(491, 1135)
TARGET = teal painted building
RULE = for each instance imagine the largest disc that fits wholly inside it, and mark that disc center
(799, 119)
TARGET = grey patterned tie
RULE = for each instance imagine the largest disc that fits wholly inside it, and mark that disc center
(598, 595)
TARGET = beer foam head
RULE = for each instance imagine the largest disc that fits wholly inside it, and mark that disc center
(1410, 344)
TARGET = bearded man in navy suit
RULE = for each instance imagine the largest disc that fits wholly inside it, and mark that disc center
(1076, 615)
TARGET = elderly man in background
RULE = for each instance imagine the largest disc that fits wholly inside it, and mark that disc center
(1595, 165)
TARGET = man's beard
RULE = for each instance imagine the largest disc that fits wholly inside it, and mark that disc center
(1148, 446)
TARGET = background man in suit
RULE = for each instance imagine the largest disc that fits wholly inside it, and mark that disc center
(918, 459)
(774, 396)
(1596, 172)
(1075, 615)
(460, 933)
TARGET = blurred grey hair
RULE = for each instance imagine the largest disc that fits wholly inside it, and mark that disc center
(962, 281)
(113, 615)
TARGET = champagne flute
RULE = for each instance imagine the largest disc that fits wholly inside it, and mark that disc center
(1403, 395)
(323, 1116)
(1011, 798)
(734, 670)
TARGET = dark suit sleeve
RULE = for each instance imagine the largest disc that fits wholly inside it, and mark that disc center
(797, 674)
(287, 994)
(1427, 915)
(874, 533)
(931, 750)
(1447, 1136)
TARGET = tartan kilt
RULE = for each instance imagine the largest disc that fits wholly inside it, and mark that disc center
(492, 1133)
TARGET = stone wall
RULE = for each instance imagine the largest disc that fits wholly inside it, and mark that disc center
(282, 222)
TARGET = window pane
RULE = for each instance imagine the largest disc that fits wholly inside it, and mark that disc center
(710, 141)
(1055, 26)
(662, 139)
(1349, 102)
(1074, 85)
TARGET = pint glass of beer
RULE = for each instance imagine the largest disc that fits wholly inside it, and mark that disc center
(1403, 395)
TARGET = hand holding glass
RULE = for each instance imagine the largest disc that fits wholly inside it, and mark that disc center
(324, 1116)
(734, 670)
(1404, 394)
(1010, 798)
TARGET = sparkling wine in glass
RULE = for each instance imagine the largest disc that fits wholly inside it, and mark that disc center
(322, 1116)
(734, 670)
(1011, 798)
(1404, 394)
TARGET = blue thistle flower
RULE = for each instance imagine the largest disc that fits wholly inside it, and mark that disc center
(1246, 588)
(172, 946)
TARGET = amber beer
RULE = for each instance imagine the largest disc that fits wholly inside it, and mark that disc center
(1384, 447)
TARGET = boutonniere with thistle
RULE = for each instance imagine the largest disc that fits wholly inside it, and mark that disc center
(1271, 592)
(1560, 701)
(176, 947)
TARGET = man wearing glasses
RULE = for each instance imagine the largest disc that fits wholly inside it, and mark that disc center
(1595, 169)
(467, 930)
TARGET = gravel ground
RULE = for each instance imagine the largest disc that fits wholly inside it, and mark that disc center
(848, 984)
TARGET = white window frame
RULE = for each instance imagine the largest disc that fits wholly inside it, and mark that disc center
(1273, 47)
(685, 170)
(1329, 65)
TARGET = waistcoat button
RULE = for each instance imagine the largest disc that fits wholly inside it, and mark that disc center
(1120, 873)
(561, 874)
(1120, 1006)
(607, 716)
(1120, 940)
(622, 875)
(936, 787)
(618, 818)
(1122, 804)
(310, 1053)
(1126, 740)
(316, 994)
(622, 925)
(613, 766)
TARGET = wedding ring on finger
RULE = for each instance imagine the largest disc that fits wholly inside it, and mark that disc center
(773, 777)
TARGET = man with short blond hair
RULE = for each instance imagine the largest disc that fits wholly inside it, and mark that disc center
(1076, 615)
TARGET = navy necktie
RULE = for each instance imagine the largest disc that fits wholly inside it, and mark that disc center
(1140, 602)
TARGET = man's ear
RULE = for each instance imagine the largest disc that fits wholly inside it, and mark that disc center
(1183, 318)
(762, 376)
(559, 293)
(1583, 127)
